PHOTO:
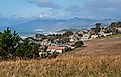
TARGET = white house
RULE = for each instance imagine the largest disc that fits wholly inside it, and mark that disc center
(94, 36)
(44, 42)
(74, 37)
(85, 37)
(42, 54)
(104, 34)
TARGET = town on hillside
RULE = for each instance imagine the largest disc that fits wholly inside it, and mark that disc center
(53, 44)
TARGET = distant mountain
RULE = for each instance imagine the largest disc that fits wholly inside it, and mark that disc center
(11, 21)
(55, 24)
(65, 30)
(59, 24)
(73, 30)
(35, 25)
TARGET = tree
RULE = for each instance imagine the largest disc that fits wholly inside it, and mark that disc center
(42, 36)
(79, 44)
(98, 27)
(8, 43)
(113, 26)
(27, 50)
(11, 47)
(68, 33)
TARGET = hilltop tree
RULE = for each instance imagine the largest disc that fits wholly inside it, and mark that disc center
(98, 25)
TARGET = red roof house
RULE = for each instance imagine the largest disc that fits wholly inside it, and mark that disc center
(56, 49)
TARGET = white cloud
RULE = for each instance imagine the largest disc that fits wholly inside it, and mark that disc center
(103, 8)
(45, 3)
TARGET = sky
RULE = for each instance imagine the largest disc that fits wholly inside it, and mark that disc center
(95, 9)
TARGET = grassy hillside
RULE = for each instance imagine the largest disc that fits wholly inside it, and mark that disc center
(99, 58)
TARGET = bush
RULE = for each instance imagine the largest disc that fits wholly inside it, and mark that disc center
(11, 46)
(68, 33)
(79, 44)
(8, 43)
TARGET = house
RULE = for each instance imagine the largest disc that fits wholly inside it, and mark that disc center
(42, 54)
(55, 49)
(104, 34)
(65, 39)
(85, 37)
(74, 37)
(114, 27)
(82, 32)
(38, 39)
(94, 36)
(44, 42)
(42, 51)
(58, 40)
(70, 47)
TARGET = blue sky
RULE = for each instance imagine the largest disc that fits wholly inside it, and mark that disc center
(61, 8)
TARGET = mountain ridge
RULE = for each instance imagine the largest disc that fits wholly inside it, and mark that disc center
(53, 24)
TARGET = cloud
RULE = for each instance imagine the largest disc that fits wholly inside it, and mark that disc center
(73, 9)
(103, 8)
(103, 4)
(90, 9)
(45, 4)
(54, 11)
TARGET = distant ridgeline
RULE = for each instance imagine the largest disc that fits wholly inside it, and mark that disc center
(29, 27)
(73, 30)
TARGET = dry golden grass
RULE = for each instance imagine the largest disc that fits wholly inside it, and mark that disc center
(101, 58)
(85, 66)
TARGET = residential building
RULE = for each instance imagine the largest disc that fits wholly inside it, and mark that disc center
(74, 37)
(85, 37)
(56, 49)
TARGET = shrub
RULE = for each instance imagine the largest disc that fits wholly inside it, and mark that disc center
(68, 33)
(79, 44)
(8, 43)
(11, 46)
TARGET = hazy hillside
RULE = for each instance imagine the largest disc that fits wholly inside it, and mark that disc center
(34, 25)
(58, 24)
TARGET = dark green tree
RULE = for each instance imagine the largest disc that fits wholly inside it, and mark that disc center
(27, 50)
(79, 44)
(68, 33)
(42, 36)
(8, 43)
(98, 25)
(11, 46)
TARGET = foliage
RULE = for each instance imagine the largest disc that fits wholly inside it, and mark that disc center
(40, 36)
(8, 43)
(11, 45)
(79, 44)
(68, 33)
(98, 25)
(56, 36)
(27, 50)
(113, 27)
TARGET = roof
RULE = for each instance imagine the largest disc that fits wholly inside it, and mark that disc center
(56, 48)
